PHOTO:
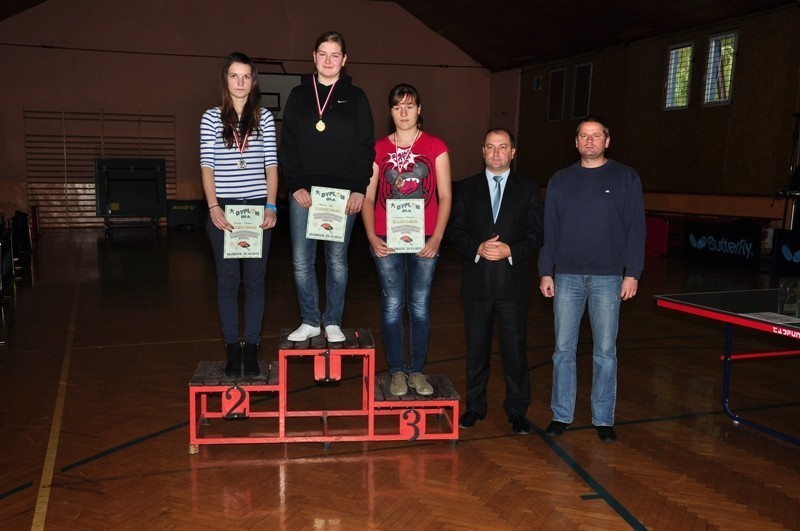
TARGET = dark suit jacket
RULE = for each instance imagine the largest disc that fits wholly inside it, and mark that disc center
(519, 224)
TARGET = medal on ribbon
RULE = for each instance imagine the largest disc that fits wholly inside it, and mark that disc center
(401, 159)
(241, 164)
(320, 125)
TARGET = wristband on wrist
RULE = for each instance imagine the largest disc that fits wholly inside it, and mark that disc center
(212, 206)
(272, 207)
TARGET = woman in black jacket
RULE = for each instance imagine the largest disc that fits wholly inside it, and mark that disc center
(328, 140)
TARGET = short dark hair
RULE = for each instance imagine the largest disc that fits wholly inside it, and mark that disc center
(597, 120)
(501, 130)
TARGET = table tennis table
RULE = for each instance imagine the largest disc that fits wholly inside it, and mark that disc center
(755, 309)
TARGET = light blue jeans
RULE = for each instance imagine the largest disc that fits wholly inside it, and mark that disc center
(573, 293)
(405, 276)
(304, 259)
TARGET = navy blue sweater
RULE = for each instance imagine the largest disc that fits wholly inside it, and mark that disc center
(594, 222)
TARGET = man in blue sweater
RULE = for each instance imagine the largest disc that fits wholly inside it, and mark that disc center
(593, 255)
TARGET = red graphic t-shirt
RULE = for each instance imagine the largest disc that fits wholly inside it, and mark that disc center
(405, 173)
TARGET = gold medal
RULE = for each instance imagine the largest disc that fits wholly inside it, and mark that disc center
(321, 108)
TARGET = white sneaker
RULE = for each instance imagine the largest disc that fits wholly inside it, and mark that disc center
(334, 333)
(304, 332)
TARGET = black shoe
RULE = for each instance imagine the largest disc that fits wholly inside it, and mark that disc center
(233, 367)
(556, 428)
(469, 419)
(519, 425)
(606, 433)
(251, 359)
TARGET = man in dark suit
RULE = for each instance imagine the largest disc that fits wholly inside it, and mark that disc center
(496, 225)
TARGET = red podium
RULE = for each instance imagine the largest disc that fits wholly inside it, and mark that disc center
(252, 410)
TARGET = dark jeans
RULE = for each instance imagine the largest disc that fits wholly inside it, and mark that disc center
(231, 272)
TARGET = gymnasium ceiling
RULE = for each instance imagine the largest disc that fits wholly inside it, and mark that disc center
(514, 33)
(9, 8)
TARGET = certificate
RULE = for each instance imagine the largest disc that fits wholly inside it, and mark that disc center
(326, 217)
(244, 241)
(405, 225)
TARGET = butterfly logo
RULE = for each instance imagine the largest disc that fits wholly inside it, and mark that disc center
(788, 255)
(698, 243)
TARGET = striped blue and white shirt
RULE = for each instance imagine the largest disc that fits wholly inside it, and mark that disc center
(231, 181)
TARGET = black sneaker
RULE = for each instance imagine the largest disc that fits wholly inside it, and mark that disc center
(556, 428)
(606, 433)
(469, 419)
(520, 425)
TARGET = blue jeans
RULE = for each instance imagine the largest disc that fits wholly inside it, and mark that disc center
(304, 259)
(572, 293)
(405, 276)
(231, 273)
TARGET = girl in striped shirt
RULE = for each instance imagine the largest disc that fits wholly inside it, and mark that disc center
(239, 166)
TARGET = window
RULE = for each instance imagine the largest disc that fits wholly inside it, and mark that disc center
(555, 107)
(581, 90)
(676, 83)
(719, 70)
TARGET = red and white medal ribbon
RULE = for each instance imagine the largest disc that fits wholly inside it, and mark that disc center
(241, 147)
(401, 162)
(320, 110)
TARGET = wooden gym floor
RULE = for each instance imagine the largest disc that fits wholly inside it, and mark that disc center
(106, 333)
